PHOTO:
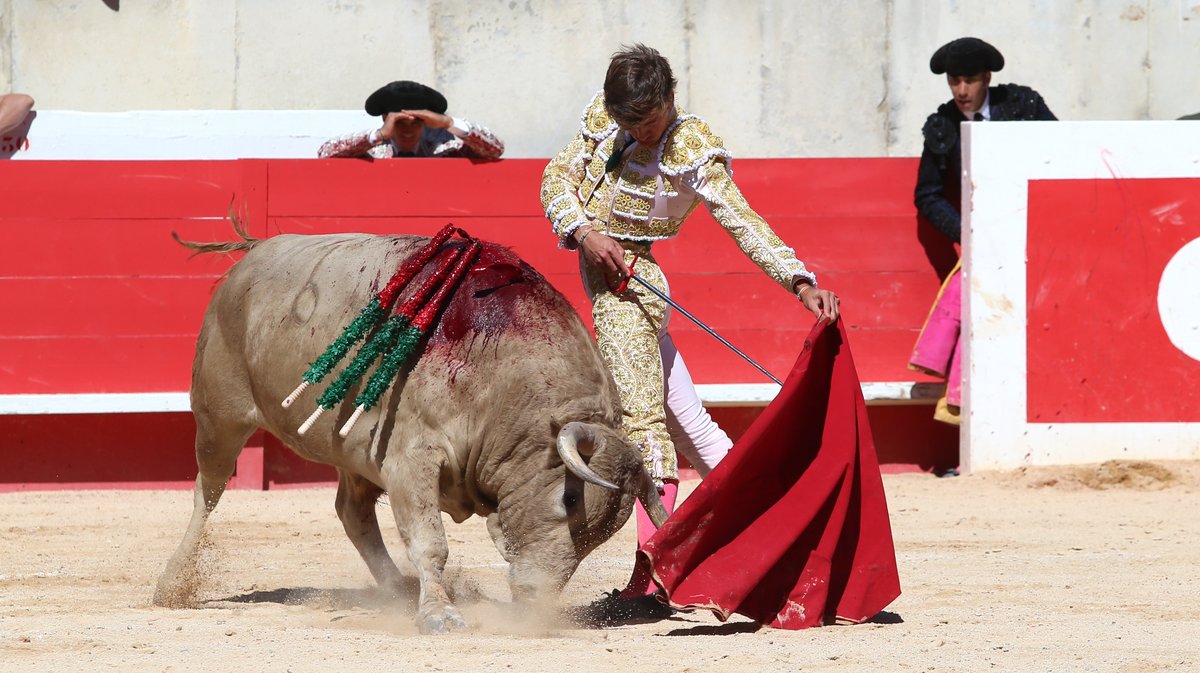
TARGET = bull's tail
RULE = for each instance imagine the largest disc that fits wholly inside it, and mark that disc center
(239, 227)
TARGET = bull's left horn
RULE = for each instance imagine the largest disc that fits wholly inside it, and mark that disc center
(568, 449)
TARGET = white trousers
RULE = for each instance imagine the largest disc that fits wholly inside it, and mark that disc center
(693, 432)
(695, 435)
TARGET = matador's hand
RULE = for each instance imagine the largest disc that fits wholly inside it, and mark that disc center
(434, 120)
(604, 252)
(822, 303)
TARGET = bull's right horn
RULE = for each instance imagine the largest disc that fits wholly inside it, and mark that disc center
(568, 449)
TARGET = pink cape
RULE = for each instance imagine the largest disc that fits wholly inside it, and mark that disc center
(791, 529)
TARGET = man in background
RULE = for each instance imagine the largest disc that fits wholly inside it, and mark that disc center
(968, 64)
(415, 124)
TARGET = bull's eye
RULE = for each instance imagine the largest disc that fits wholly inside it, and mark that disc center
(569, 499)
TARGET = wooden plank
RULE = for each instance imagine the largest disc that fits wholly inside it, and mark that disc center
(879, 355)
(80, 248)
(418, 187)
(93, 449)
(857, 187)
(118, 189)
(97, 364)
(824, 243)
(730, 301)
(850, 187)
(103, 307)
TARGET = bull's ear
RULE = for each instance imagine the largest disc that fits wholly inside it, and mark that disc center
(648, 495)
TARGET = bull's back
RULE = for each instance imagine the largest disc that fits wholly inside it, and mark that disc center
(292, 295)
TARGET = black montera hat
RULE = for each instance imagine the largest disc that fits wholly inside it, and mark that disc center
(966, 56)
(404, 95)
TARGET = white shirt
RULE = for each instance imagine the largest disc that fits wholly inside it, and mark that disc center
(985, 110)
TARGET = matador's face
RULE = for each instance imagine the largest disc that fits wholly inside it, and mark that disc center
(969, 91)
(650, 130)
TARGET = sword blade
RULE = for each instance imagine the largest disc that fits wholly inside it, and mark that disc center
(662, 295)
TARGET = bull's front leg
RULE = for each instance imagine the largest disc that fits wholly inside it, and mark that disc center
(413, 492)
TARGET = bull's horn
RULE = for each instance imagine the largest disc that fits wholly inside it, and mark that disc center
(568, 449)
(648, 495)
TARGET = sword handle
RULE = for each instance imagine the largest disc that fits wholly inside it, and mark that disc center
(621, 287)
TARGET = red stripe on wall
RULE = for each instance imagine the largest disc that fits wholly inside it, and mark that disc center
(95, 296)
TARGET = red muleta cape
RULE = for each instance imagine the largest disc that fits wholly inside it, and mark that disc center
(791, 529)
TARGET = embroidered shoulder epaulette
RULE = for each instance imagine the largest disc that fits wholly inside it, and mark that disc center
(688, 144)
(1020, 103)
(941, 133)
(595, 121)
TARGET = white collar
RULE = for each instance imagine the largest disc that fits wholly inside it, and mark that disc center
(985, 109)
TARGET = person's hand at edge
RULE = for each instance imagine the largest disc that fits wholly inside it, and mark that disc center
(823, 303)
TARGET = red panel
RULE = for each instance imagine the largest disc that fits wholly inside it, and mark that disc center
(840, 187)
(529, 237)
(823, 243)
(105, 190)
(97, 448)
(907, 439)
(880, 355)
(87, 248)
(156, 450)
(827, 187)
(422, 187)
(89, 257)
(284, 468)
(1097, 349)
(97, 364)
(96, 307)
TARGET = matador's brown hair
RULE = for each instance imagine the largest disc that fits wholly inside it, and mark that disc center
(639, 82)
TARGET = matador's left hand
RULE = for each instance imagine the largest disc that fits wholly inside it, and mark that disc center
(823, 303)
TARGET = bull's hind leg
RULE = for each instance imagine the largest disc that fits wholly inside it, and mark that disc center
(355, 504)
(413, 492)
(218, 444)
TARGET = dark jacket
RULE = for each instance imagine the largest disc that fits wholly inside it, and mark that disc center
(938, 193)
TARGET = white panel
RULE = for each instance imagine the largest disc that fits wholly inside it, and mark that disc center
(999, 161)
(99, 403)
(188, 134)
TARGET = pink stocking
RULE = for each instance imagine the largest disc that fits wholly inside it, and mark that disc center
(640, 584)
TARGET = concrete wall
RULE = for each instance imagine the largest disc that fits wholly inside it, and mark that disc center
(775, 77)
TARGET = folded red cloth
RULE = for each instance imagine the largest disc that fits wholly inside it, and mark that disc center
(791, 529)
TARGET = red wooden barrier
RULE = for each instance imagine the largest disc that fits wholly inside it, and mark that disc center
(95, 297)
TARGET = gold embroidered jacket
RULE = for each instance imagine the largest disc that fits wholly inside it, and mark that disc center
(653, 190)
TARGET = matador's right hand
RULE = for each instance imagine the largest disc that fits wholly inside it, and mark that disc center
(604, 252)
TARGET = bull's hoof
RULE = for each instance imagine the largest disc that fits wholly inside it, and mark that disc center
(172, 593)
(440, 619)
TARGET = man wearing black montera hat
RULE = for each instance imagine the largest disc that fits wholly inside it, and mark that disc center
(415, 124)
(968, 64)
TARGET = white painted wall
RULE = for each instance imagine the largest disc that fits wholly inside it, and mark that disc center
(774, 77)
(183, 134)
(999, 161)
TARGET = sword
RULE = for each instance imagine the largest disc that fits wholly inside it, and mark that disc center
(662, 295)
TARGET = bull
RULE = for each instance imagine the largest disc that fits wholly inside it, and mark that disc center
(509, 414)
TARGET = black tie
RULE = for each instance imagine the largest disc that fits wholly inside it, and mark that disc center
(978, 116)
(614, 159)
